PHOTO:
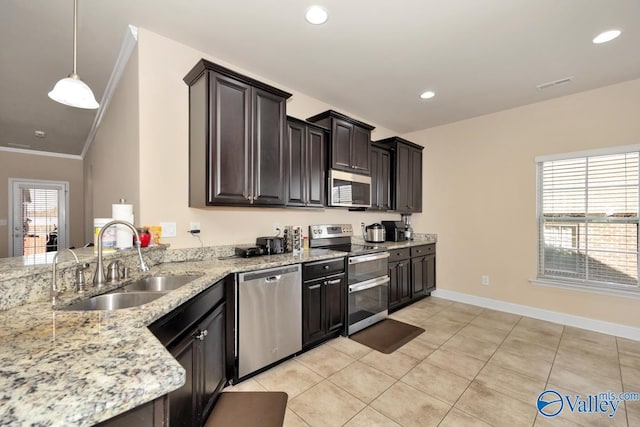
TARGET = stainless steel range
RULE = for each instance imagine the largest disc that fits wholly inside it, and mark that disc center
(367, 274)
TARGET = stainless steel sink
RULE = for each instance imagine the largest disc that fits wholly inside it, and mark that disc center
(115, 301)
(159, 283)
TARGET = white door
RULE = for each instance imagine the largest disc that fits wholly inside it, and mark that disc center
(38, 219)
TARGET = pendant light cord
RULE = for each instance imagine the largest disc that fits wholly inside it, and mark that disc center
(75, 35)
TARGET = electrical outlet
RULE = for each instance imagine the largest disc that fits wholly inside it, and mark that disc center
(169, 229)
(275, 226)
(194, 226)
(485, 280)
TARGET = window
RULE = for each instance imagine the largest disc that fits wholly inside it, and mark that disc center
(588, 219)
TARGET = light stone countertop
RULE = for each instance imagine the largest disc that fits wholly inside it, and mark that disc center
(62, 368)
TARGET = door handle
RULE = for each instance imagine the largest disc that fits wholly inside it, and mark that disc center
(334, 282)
(201, 335)
(314, 287)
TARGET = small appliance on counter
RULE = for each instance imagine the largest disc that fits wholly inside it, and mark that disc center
(374, 233)
(250, 252)
(395, 231)
(272, 245)
(293, 239)
(408, 230)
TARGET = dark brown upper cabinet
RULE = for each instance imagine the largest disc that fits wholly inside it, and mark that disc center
(305, 163)
(406, 174)
(350, 141)
(236, 138)
(380, 178)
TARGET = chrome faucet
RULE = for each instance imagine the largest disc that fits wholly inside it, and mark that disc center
(54, 287)
(99, 278)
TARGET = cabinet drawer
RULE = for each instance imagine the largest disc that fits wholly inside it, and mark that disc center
(398, 254)
(423, 250)
(313, 270)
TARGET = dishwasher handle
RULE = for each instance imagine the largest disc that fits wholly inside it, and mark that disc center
(272, 278)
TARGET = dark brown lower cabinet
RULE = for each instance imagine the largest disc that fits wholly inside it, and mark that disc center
(323, 301)
(412, 273)
(152, 414)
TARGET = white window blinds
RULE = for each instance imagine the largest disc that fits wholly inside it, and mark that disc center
(588, 220)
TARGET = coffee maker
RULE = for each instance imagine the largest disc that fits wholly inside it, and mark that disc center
(394, 231)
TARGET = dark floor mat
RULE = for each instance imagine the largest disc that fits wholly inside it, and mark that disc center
(249, 409)
(387, 335)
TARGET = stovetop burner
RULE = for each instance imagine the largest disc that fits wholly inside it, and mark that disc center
(355, 249)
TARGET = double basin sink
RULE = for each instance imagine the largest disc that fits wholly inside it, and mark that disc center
(139, 292)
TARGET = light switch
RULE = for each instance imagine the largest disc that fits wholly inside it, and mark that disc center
(168, 229)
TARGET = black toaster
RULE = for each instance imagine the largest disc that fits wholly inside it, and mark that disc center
(272, 244)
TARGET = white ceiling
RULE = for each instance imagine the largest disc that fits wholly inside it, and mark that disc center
(372, 58)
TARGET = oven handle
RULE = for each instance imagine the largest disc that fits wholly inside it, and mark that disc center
(366, 258)
(378, 281)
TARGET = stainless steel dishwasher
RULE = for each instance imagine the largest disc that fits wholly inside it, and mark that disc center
(268, 317)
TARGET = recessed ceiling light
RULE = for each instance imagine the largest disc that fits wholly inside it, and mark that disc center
(606, 36)
(316, 15)
(427, 95)
(40, 134)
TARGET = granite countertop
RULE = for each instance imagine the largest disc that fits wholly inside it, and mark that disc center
(78, 368)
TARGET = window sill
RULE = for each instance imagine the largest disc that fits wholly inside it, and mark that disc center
(610, 291)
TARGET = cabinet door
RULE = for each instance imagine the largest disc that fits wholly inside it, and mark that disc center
(380, 183)
(404, 180)
(268, 148)
(418, 277)
(404, 282)
(430, 268)
(341, 137)
(229, 153)
(212, 342)
(360, 150)
(313, 328)
(375, 182)
(399, 285)
(316, 166)
(295, 159)
(415, 202)
(334, 303)
(183, 406)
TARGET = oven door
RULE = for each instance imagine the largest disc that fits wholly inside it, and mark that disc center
(366, 267)
(368, 303)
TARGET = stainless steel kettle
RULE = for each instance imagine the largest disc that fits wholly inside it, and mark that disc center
(374, 233)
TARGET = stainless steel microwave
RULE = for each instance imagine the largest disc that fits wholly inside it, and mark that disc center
(349, 189)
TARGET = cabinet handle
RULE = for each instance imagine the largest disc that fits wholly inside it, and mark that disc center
(314, 287)
(333, 282)
(248, 197)
(201, 335)
(400, 265)
(325, 267)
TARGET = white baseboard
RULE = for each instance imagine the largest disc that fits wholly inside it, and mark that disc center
(601, 326)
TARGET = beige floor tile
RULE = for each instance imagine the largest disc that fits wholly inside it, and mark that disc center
(543, 338)
(362, 381)
(369, 417)
(456, 363)
(496, 408)
(630, 378)
(591, 336)
(492, 336)
(628, 346)
(291, 377)
(586, 363)
(633, 412)
(418, 349)
(531, 367)
(411, 315)
(571, 344)
(489, 323)
(479, 349)
(395, 364)
(501, 316)
(583, 384)
(443, 325)
(440, 302)
(457, 418)
(630, 360)
(528, 349)
(633, 418)
(410, 407)
(436, 382)
(433, 335)
(588, 419)
(540, 326)
(542, 421)
(349, 347)
(291, 419)
(466, 308)
(325, 360)
(512, 383)
(454, 315)
(247, 385)
(325, 404)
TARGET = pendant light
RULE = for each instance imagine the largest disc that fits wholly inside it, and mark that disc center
(71, 90)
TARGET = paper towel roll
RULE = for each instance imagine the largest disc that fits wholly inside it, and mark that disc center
(124, 212)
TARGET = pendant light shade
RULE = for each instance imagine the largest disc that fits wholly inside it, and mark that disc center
(71, 90)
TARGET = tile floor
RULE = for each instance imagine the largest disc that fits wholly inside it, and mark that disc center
(472, 367)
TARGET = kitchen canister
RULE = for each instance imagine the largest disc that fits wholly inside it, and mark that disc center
(124, 236)
(108, 237)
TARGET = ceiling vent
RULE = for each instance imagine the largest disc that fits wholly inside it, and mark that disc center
(554, 83)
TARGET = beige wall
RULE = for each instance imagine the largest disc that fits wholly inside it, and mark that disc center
(164, 133)
(111, 166)
(480, 194)
(33, 166)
